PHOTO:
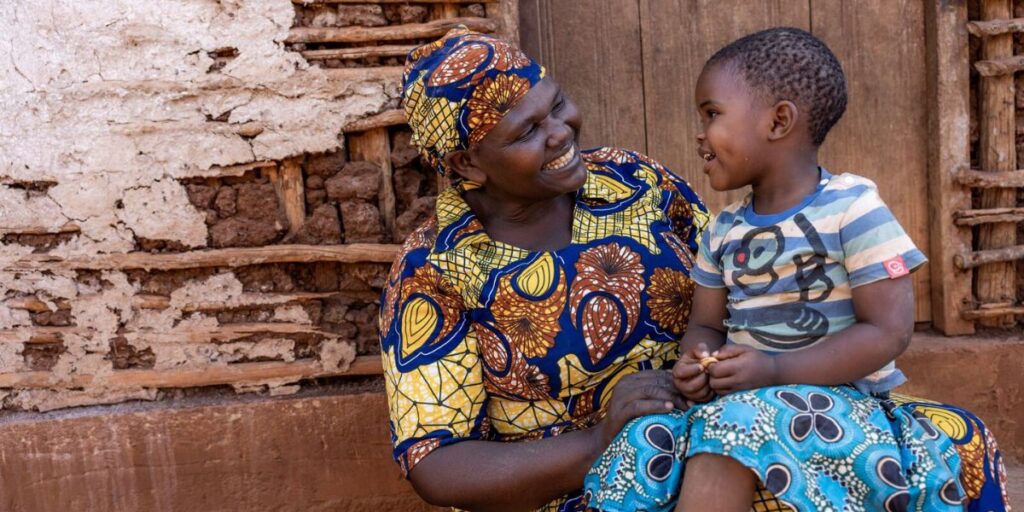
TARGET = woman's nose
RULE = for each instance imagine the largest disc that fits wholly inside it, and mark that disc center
(559, 132)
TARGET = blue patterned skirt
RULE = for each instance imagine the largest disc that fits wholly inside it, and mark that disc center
(812, 448)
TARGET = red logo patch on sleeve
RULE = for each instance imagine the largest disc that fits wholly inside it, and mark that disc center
(896, 267)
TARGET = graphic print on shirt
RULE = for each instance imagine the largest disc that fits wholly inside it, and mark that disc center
(759, 251)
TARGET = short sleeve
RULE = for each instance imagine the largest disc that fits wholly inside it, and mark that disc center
(875, 246)
(708, 270)
(432, 369)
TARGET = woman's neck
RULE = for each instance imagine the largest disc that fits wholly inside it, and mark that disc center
(530, 224)
(785, 185)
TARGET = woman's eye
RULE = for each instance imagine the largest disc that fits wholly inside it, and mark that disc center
(529, 131)
(560, 104)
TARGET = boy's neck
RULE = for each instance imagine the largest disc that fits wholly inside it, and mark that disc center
(786, 184)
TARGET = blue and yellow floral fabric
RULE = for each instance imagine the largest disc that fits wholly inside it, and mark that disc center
(484, 340)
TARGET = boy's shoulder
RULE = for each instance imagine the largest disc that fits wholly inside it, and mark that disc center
(851, 181)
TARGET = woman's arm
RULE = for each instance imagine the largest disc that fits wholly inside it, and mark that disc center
(885, 321)
(483, 475)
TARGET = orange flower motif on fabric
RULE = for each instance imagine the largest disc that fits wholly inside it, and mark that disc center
(669, 299)
(615, 155)
(605, 297)
(417, 451)
(531, 322)
(506, 372)
(491, 100)
(459, 65)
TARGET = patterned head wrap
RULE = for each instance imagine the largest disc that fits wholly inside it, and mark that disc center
(459, 87)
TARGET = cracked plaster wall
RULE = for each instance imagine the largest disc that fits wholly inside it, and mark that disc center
(108, 104)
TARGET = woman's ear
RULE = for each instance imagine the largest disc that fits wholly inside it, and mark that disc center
(461, 162)
(784, 118)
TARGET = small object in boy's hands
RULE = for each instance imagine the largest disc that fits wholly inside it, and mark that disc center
(706, 362)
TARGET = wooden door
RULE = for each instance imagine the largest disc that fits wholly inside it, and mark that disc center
(631, 65)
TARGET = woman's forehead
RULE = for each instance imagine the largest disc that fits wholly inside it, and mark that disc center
(536, 103)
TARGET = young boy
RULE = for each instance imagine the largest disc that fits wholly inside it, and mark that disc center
(803, 288)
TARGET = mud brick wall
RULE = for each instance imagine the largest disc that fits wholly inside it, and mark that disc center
(203, 193)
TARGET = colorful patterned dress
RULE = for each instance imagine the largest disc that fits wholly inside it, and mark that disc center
(484, 340)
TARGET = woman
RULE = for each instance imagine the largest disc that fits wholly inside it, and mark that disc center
(548, 277)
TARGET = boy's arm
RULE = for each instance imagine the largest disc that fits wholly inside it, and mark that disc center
(885, 321)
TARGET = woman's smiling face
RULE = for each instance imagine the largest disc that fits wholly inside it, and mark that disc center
(532, 153)
(732, 137)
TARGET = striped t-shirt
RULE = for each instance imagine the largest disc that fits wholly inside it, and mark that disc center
(789, 275)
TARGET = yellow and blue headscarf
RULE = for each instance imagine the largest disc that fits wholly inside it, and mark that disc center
(456, 89)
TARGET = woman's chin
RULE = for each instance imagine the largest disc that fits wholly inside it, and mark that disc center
(567, 179)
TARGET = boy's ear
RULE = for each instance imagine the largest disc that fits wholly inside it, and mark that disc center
(461, 162)
(784, 119)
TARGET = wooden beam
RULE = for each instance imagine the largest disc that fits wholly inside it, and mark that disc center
(995, 27)
(996, 280)
(999, 67)
(246, 300)
(314, 2)
(442, 11)
(302, 369)
(382, 120)
(1005, 255)
(948, 151)
(390, 50)
(375, 146)
(990, 216)
(992, 311)
(983, 179)
(237, 170)
(232, 257)
(219, 334)
(67, 228)
(431, 29)
(291, 192)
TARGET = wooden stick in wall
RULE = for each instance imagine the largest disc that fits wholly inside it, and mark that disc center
(991, 257)
(291, 192)
(996, 281)
(313, 2)
(989, 216)
(382, 120)
(1003, 66)
(983, 179)
(233, 257)
(390, 50)
(430, 29)
(196, 377)
(995, 27)
(375, 146)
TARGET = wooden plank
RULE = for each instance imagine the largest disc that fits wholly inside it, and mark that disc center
(678, 37)
(443, 11)
(388, 50)
(990, 258)
(218, 334)
(891, 150)
(246, 300)
(67, 228)
(314, 2)
(995, 27)
(593, 49)
(983, 179)
(948, 151)
(990, 311)
(356, 34)
(506, 13)
(1003, 66)
(233, 257)
(382, 120)
(989, 216)
(996, 282)
(210, 375)
(375, 146)
(291, 192)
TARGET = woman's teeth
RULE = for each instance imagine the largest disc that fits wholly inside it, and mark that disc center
(561, 161)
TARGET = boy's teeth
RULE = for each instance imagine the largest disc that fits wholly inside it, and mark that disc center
(562, 160)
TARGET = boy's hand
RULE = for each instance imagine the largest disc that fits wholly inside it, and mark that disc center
(739, 368)
(690, 377)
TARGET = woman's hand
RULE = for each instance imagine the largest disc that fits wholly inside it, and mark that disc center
(639, 394)
(689, 376)
(740, 367)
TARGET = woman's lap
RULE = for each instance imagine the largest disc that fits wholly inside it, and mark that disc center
(815, 447)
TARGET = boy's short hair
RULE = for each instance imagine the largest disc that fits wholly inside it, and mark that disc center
(791, 64)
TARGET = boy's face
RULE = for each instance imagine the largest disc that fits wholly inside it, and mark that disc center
(735, 124)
